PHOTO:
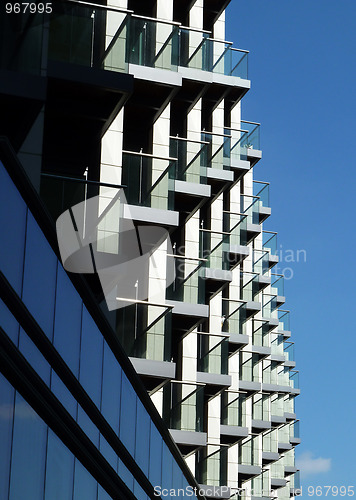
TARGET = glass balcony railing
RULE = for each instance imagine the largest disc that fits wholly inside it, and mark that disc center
(61, 193)
(294, 429)
(211, 466)
(214, 247)
(233, 409)
(283, 434)
(270, 242)
(149, 180)
(260, 407)
(249, 452)
(189, 283)
(277, 284)
(249, 286)
(284, 320)
(253, 134)
(294, 379)
(270, 441)
(218, 150)
(261, 189)
(144, 330)
(234, 317)
(249, 367)
(235, 224)
(191, 159)
(183, 406)
(295, 481)
(260, 485)
(250, 207)
(213, 354)
(260, 262)
(260, 334)
(270, 373)
(269, 306)
(277, 405)
(289, 351)
(198, 51)
(277, 345)
(152, 43)
(79, 34)
(283, 376)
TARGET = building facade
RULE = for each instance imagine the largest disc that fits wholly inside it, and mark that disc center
(186, 378)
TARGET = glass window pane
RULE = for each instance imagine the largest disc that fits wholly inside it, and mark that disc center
(7, 396)
(125, 475)
(40, 275)
(142, 437)
(13, 225)
(128, 415)
(59, 470)
(139, 492)
(9, 323)
(28, 453)
(68, 318)
(34, 357)
(62, 393)
(155, 465)
(167, 468)
(85, 486)
(110, 399)
(91, 358)
(88, 426)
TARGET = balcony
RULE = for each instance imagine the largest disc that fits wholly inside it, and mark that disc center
(190, 188)
(277, 288)
(261, 190)
(277, 348)
(143, 330)
(235, 224)
(233, 417)
(183, 412)
(269, 311)
(253, 148)
(251, 208)
(249, 377)
(233, 324)
(187, 294)
(295, 488)
(249, 290)
(248, 462)
(275, 380)
(261, 338)
(270, 244)
(294, 381)
(261, 267)
(284, 323)
(212, 367)
(289, 354)
(260, 413)
(214, 248)
(218, 172)
(245, 145)
(212, 469)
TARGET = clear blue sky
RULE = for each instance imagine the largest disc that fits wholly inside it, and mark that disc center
(302, 67)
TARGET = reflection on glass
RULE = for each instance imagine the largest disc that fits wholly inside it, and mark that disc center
(211, 466)
(234, 317)
(213, 354)
(183, 407)
(189, 284)
(270, 242)
(233, 409)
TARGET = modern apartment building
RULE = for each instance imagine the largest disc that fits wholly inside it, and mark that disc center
(186, 377)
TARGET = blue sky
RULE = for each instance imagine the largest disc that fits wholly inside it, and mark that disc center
(302, 68)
